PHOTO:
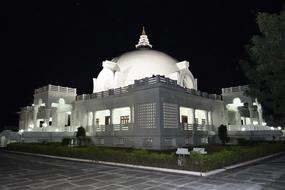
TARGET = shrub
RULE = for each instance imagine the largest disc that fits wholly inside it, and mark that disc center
(84, 141)
(223, 134)
(66, 141)
(81, 137)
(223, 156)
(80, 132)
(244, 142)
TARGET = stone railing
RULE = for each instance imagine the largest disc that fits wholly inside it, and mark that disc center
(234, 89)
(248, 128)
(189, 127)
(110, 92)
(112, 130)
(261, 134)
(154, 80)
(121, 127)
(53, 88)
(186, 126)
(146, 82)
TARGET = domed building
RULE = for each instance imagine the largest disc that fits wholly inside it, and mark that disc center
(141, 63)
(142, 99)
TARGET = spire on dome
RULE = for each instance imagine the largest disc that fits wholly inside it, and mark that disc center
(143, 41)
(143, 31)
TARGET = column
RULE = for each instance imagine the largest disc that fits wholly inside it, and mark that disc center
(193, 116)
(207, 121)
(259, 111)
(210, 120)
(55, 118)
(35, 113)
(87, 123)
(238, 119)
(131, 114)
(111, 122)
(250, 108)
(46, 120)
(111, 116)
(194, 129)
(72, 121)
(94, 124)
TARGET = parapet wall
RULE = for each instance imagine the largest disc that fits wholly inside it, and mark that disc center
(145, 82)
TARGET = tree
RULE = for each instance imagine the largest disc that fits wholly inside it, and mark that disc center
(80, 135)
(266, 66)
(223, 134)
(80, 132)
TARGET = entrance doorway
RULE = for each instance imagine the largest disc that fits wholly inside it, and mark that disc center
(184, 119)
(107, 120)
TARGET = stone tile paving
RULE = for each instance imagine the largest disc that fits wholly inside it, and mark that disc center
(20, 172)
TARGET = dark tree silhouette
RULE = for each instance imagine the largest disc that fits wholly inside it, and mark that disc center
(266, 66)
(80, 132)
(223, 134)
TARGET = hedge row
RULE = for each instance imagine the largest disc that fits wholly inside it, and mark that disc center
(233, 155)
(195, 162)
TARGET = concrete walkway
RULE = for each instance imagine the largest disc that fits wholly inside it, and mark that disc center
(28, 172)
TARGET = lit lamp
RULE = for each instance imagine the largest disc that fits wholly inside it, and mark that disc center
(44, 125)
(31, 126)
(21, 131)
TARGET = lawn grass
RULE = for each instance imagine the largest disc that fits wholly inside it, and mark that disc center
(218, 157)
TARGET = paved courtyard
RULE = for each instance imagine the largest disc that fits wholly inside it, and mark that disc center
(19, 172)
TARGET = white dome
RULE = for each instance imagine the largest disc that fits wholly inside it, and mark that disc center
(125, 69)
(144, 63)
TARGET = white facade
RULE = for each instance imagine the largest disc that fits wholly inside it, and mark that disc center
(143, 98)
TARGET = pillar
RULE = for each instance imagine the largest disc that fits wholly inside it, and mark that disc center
(250, 108)
(207, 120)
(193, 116)
(111, 116)
(110, 127)
(238, 119)
(194, 129)
(259, 111)
(87, 123)
(35, 114)
(94, 124)
(46, 120)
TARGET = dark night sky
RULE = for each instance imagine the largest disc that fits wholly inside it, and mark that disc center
(65, 42)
